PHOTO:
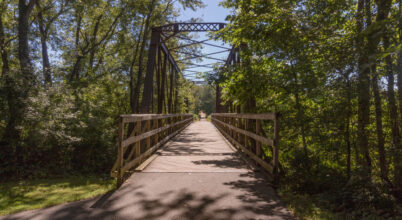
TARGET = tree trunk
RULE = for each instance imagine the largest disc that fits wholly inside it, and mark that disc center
(19, 89)
(379, 124)
(76, 67)
(348, 105)
(372, 51)
(3, 48)
(21, 93)
(24, 11)
(398, 149)
(11, 134)
(300, 115)
(399, 69)
(393, 112)
(363, 92)
(94, 36)
(43, 39)
(132, 72)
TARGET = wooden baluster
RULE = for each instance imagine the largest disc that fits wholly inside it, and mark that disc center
(148, 128)
(225, 127)
(138, 143)
(237, 135)
(233, 131)
(224, 121)
(120, 153)
(165, 122)
(169, 123)
(241, 126)
(156, 126)
(246, 144)
(174, 121)
(258, 132)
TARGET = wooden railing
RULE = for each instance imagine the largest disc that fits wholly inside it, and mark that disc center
(246, 132)
(147, 133)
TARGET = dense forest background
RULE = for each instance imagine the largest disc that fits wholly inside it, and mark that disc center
(69, 68)
(333, 69)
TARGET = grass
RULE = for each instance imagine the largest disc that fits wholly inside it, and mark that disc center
(33, 194)
(305, 207)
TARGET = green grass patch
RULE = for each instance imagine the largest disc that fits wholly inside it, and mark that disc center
(305, 206)
(33, 194)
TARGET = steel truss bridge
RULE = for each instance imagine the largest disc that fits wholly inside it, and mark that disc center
(162, 68)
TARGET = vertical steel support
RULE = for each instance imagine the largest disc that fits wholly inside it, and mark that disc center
(161, 97)
(176, 92)
(218, 99)
(158, 79)
(149, 77)
(170, 100)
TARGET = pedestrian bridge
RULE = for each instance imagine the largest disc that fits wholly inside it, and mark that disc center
(170, 167)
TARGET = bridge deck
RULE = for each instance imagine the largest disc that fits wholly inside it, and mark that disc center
(197, 175)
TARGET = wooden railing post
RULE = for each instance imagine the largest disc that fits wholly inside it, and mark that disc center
(275, 156)
(120, 152)
(138, 143)
(246, 144)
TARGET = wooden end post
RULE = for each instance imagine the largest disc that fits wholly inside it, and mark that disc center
(120, 152)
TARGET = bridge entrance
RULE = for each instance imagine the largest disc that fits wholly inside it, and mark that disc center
(198, 175)
(166, 153)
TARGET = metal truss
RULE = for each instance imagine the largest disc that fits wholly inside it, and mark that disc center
(190, 27)
(162, 64)
(234, 57)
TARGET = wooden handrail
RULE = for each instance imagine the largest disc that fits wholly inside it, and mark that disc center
(147, 133)
(236, 128)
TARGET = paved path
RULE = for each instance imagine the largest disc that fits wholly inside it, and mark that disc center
(195, 176)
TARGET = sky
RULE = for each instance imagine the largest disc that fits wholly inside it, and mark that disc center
(212, 12)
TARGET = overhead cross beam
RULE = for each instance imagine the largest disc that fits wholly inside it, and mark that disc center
(190, 44)
(193, 65)
(191, 71)
(190, 27)
(207, 56)
(202, 42)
